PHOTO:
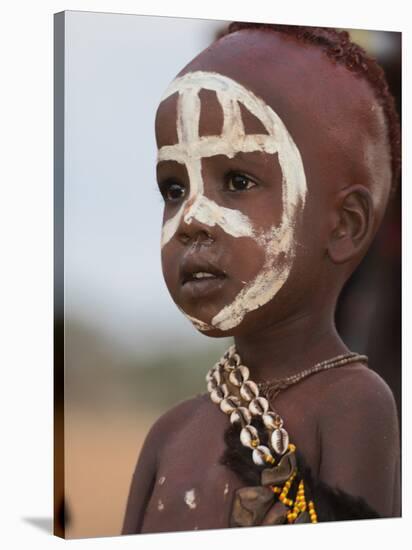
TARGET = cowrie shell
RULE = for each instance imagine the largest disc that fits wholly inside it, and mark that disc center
(219, 393)
(229, 351)
(241, 415)
(280, 440)
(249, 434)
(259, 454)
(211, 385)
(209, 375)
(229, 404)
(249, 390)
(232, 362)
(217, 376)
(239, 375)
(272, 420)
(259, 406)
(212, 371)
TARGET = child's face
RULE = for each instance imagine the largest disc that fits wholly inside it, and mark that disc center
(236, 178)
(235, 192)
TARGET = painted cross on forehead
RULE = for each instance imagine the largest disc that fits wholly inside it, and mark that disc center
(192, 148)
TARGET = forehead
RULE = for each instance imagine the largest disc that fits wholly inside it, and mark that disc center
(287, 75)
(217, 100)
(331, 114)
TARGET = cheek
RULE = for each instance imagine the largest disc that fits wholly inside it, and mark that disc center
(247, 259)
(170, 267)
(242, 259)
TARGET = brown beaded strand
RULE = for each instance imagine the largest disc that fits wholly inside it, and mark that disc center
(272, 388)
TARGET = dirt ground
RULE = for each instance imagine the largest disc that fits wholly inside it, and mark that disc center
(101, 452)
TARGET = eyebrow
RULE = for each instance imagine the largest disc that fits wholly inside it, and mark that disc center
(252, 158)
(164, 163)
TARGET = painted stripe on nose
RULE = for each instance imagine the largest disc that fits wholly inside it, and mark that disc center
(188, 205)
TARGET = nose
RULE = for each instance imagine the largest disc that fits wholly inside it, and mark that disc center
(191, 228)
(189, 211)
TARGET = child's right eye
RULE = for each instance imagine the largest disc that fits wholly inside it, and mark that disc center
(171, 190)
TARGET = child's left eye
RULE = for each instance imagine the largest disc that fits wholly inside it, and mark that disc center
(239, 182)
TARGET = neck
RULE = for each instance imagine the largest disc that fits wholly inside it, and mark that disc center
(291, 346)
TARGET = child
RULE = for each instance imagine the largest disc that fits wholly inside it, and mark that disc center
(278, 147)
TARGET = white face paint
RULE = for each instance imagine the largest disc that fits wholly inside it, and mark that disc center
(192, 148)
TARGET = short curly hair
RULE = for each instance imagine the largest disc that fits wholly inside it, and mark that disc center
(338, 47)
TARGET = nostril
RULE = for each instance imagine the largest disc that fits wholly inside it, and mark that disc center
(203, 238)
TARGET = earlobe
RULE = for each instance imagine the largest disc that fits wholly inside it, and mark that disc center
(353, 224)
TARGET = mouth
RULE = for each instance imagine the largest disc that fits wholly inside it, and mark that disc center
(200, 278)
(200, 287)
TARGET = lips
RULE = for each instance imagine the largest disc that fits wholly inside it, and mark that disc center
(193, 269)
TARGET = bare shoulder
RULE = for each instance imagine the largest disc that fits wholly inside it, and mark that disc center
(176, 417)
(359, 437)
(357, 391)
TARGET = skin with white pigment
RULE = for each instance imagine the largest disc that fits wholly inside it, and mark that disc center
(343, 421)
(191, 149)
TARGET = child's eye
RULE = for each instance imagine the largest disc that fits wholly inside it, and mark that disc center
(172, 190)
(239, 182)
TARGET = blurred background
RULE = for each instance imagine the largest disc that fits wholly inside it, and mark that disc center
(129, 353)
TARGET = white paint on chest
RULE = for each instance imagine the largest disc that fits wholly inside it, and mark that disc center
(226, 489)
(190, 499)
(162, 479)
(278, 242)
(160, 505)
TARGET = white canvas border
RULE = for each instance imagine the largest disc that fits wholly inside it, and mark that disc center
(26, 284)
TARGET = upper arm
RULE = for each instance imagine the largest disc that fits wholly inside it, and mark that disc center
(142, 482)
(360, 441)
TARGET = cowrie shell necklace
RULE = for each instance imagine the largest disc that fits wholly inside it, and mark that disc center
(230, 387)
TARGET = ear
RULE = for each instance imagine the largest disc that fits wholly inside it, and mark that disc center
(353, 224)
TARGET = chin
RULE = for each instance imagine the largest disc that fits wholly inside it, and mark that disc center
(243, 328)
(216, 333)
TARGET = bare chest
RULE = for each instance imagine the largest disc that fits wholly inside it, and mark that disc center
(192, 489)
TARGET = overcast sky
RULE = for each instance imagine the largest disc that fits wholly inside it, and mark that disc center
(117, 67)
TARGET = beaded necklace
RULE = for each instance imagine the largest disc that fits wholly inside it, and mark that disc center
(273, 388)
(230, 387)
